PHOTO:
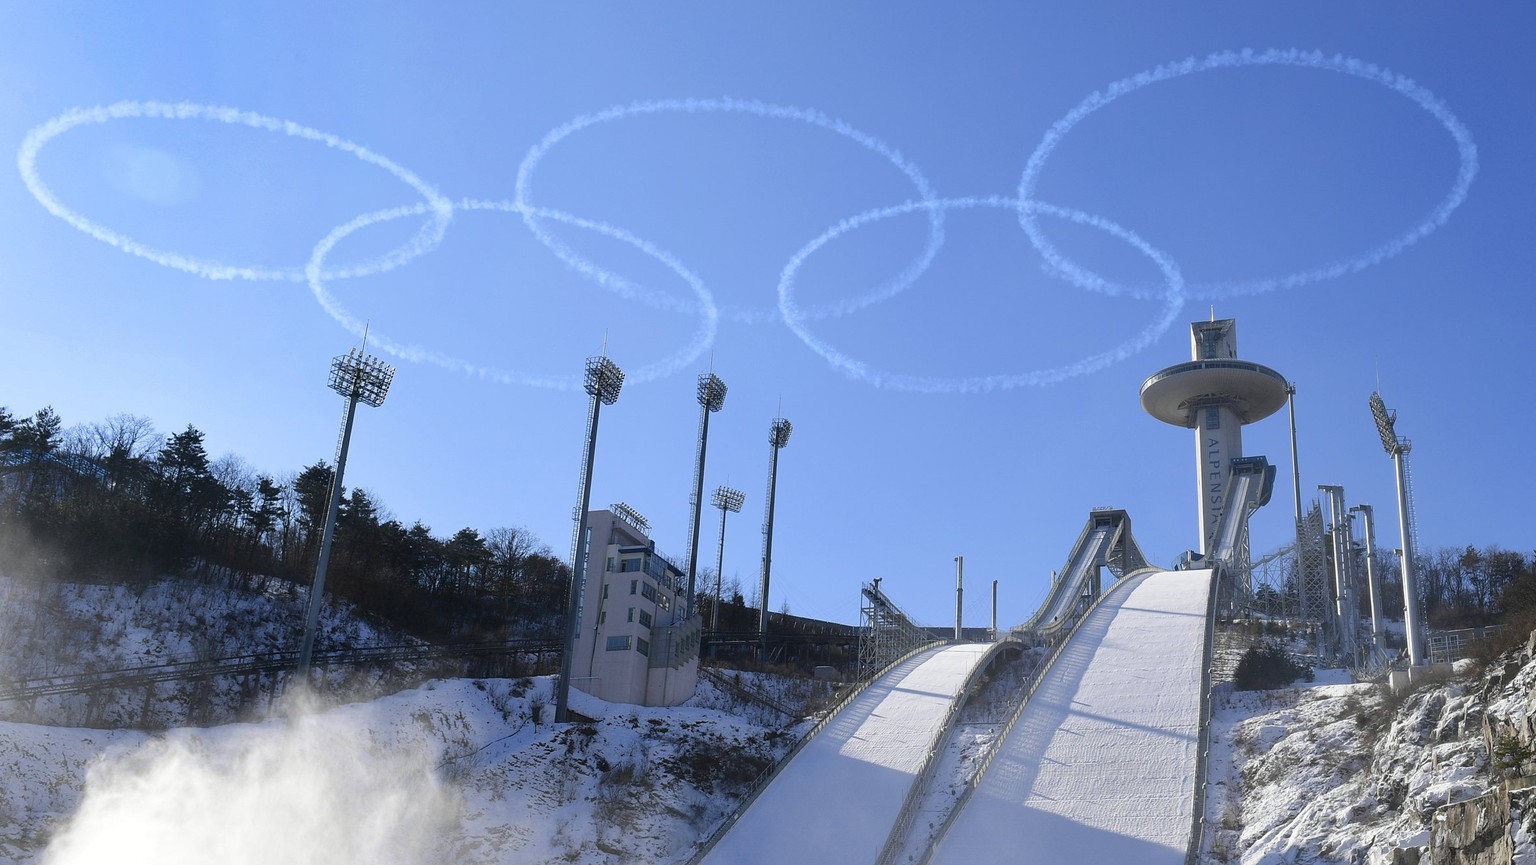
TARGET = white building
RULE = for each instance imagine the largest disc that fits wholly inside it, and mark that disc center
(632, 644)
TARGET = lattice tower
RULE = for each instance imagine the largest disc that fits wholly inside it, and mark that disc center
(885, 632)
(1312, 567)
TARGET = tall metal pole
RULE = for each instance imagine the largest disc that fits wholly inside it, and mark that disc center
(1346, 610)
(317, 587)
(604, 379)
(1371, 579)
(360, 378)
(711, 399)
(994, 611)
(1411, 609)
(1398, 448)
(727, 500)
(778, 437)
(1297, 564)
(959, 593)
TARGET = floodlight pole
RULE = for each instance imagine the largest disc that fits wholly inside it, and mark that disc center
(727, 500)
(603, 382)
(1398, 448)
(711, 398)
(359, 378)
(778, 437)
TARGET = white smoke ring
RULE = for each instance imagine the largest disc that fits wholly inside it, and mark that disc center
(1173, 303)
(703, 338)
(430, 235)
(1407, 87)
(526, 170)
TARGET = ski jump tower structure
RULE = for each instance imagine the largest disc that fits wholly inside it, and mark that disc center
(1216, 394)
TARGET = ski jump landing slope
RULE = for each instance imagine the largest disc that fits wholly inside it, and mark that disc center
(1101, 764)
(837, 799)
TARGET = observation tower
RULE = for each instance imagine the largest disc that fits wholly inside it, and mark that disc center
(1214, 394)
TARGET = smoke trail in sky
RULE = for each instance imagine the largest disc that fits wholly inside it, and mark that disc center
(1408, 88)
(526, 171)
(704, 306)
(427, 239)
(1173, 302)
(309, 790)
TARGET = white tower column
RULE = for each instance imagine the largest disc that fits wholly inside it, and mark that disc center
(1214, 394)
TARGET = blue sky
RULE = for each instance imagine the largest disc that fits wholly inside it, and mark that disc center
(697, 222)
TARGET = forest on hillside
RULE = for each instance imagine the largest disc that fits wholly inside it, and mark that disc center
(115, 500)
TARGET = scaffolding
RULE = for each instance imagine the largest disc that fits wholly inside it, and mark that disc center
(1312, 573)
(885, 632)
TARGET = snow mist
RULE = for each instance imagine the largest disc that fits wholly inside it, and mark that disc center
(309, 788)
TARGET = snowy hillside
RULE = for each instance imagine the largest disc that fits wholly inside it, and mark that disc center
(1340, 773)
(455, 771)
(48, 628)
(470, 770)
(461, 770)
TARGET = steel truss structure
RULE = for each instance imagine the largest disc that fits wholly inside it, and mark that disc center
(885, 632)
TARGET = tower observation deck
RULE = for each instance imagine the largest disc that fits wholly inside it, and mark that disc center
(1214, 394)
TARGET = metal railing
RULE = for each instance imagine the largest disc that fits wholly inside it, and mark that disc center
(1203, 745)
(1039, 676)
(744, 691)
(767, 776)
(908, 813)
(256, 663)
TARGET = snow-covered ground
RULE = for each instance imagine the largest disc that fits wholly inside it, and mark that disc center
(455, 771)
(467, 770)
(1338, 773)
(49, 628)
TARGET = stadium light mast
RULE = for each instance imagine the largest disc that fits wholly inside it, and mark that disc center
(1398, 448)
(727, 500)
(778, 437)
(361, 378)
(603, 382)
(711, 398)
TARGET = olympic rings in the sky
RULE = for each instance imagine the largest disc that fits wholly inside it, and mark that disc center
(425, 240)
(703, 337)
(1466, 150)
(1173, 301)
(440, 210)
(536, 154)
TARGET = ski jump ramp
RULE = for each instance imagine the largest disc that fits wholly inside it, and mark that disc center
(1101, 764)
(836, 801)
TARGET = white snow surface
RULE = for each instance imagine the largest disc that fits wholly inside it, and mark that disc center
(454, 771)
(1101, 765)
(838, 798)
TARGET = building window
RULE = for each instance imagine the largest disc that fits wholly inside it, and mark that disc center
(645, 618)
(648, 592)
(605, 591)
(602, 617)
(618, 644)
(632, 585)
(631, 615)
(1213, 418)
(610, 563)
(643, 648)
